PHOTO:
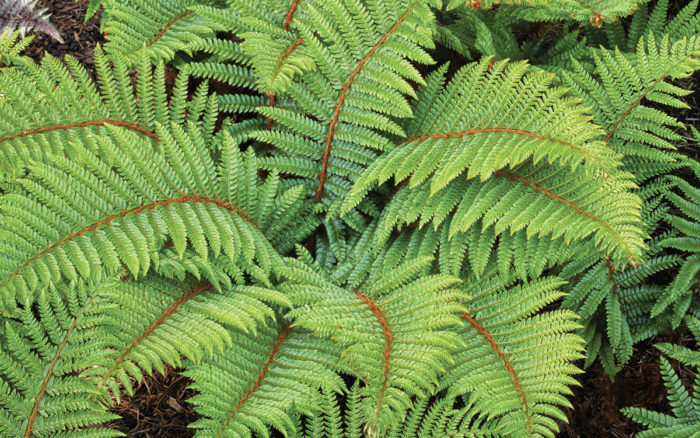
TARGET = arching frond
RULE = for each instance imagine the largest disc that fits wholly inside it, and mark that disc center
(68, 107)
(394, 331)
(68, 220)
(262, 380)
(41, 350)
(156, 29)
(516, 365)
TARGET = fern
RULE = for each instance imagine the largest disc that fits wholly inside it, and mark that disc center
(43, 347)
(149, 217)
(685, 420)
(529, 156)
(155, 29)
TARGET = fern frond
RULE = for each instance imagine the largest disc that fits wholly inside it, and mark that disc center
(66, 107)
(394, 331)
(618, 90)
(516, 365)
(344, 110)
(483, 122)
(154, 29)
(685, 406)
(98, 216)
(41, 350)
(159, 321)
(262, 380)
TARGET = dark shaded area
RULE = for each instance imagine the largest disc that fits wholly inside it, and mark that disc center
(80, 38)
(159, 408)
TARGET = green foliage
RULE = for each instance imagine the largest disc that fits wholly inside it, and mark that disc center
(156, 29)
(685, 405)
(335, 231)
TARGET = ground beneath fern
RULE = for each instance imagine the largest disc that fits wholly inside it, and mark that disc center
(159, 406)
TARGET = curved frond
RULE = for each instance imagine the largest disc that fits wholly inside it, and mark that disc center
(516, 364)
(40, 353)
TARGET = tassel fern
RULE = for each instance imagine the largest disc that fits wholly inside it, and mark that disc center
(335, 232)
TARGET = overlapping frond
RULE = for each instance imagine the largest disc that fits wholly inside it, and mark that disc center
(262, 380)
(530, 158)
(516, 362)
(345, 109)
(159, 321)
(76, 217)
(394, 330)
(683, 290)
(685, 405)
(46, 108)
(157, 29)
(41, 350)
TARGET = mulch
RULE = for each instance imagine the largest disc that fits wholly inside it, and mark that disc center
(159, 406)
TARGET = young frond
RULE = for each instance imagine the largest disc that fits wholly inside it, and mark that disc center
(515, 365)
(42, 348)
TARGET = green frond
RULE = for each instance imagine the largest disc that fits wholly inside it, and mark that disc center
(620, 91)
(344, 110)
(42, 348)
(615, 305)
(262, 380)
(74, 218)
(159, 321)
(516, 365)
(685, 406)
(67, 107)
(394, 330)
(156, 29)
(484, 121)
